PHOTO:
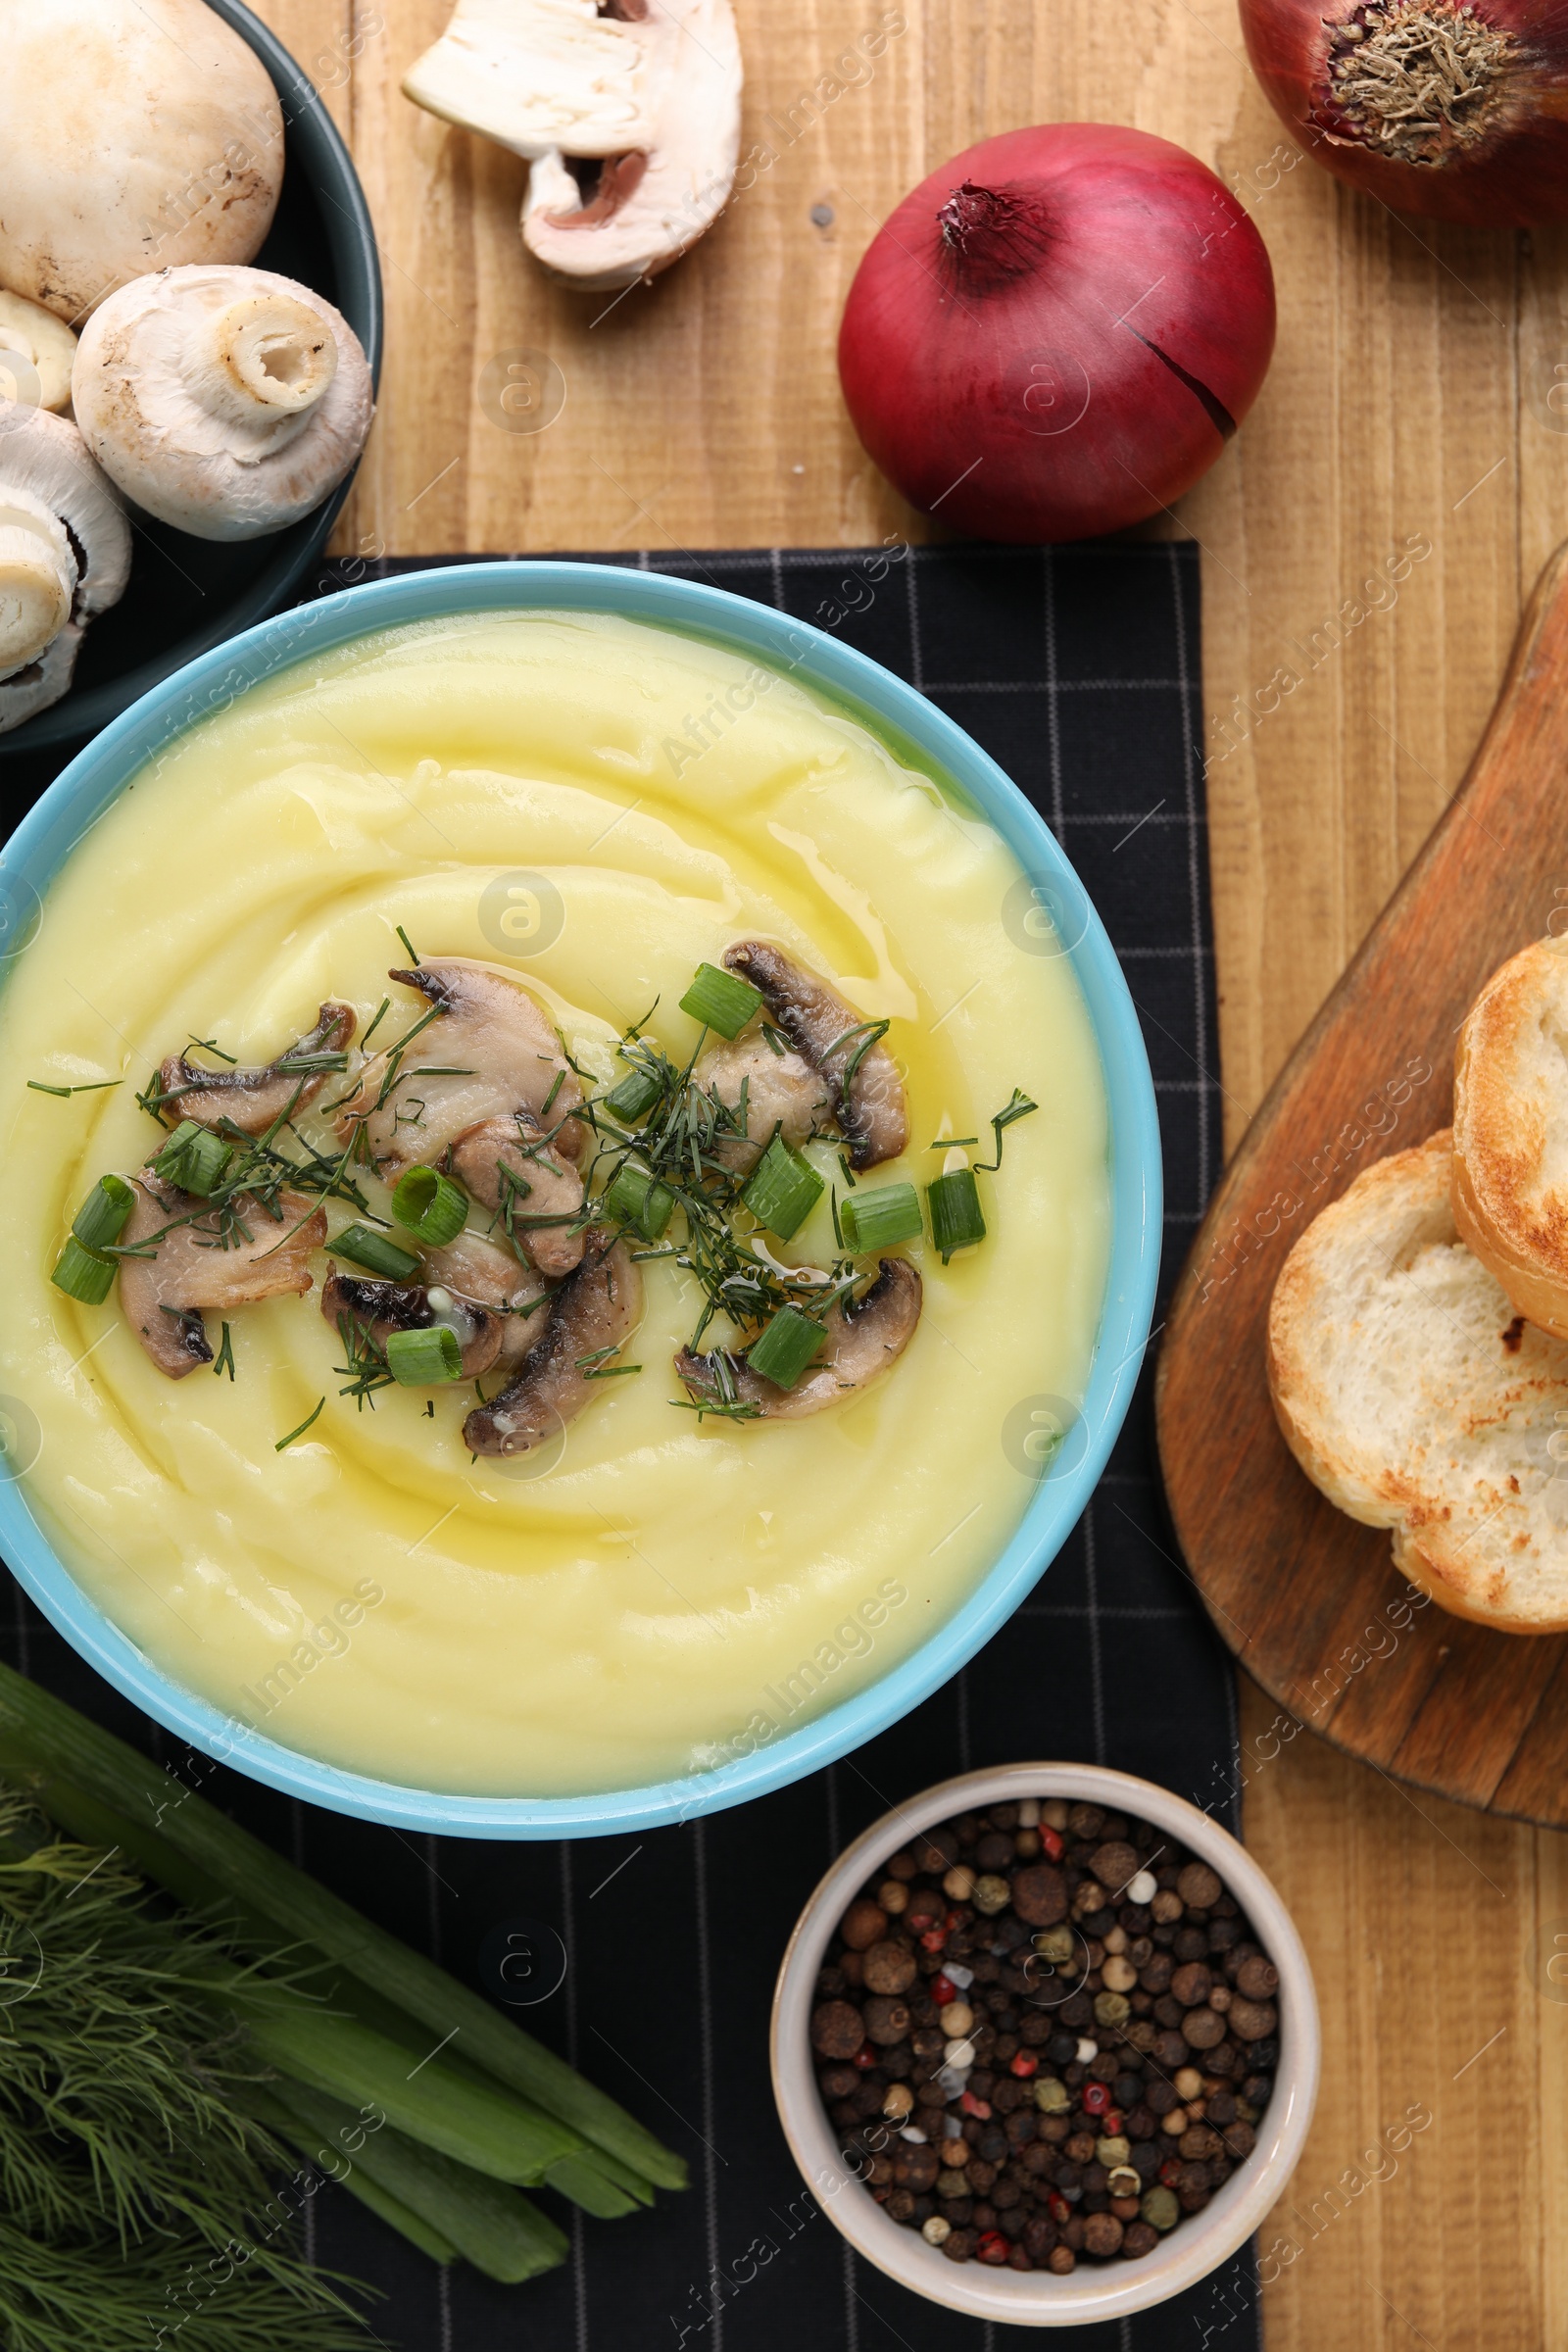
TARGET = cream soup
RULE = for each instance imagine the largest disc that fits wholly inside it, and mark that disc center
(595, 807)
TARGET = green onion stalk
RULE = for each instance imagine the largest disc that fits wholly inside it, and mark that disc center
(337, 2016)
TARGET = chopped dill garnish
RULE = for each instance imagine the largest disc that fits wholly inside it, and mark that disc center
(253, 1180)
(381, 1014)
(1018, 1109)
(952, 1143)
(224, 1362)
(849, 1172)
(869, 1034)
(96, 1088)
(367, 1369)
(594, 1367)
(688, 1143)
(413, 950)
(721, 1398)
(559, 1082)
(307, 1423)
(210, 1045)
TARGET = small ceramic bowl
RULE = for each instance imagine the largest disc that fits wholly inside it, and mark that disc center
(1201, 2242)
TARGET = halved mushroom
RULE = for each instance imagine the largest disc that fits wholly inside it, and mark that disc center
(629, 114)
(226, 401)
(507, 1165)
(782, 1091)
(164, 1295)
(65, 556)
(863, 1337)
(42, 345)
(380, 1308)
(490, 1276)
(253, 1099)
(863, 1079)
(492, 1054)
(135, 133)
(590, 1316)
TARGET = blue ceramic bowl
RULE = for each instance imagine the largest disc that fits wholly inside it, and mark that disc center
(43, 840)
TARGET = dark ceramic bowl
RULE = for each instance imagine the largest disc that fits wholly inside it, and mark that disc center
(187, 595)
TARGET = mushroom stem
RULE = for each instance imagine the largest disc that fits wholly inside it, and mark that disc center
(262, 359)
(37, 579)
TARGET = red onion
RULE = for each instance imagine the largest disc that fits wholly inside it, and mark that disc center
(1456, 108)
(1056, 334)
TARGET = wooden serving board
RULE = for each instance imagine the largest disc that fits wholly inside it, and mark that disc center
(1308, 1600)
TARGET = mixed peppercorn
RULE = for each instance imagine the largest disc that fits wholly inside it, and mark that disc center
(1044, 2031)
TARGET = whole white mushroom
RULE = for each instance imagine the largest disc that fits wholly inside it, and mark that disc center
(65, 556)
(136, 133)
(226, 401)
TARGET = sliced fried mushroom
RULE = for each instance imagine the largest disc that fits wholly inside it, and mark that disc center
(863, 1340)
(65, 556)
(492, 1054)
(379, 1309)
(135, 133)
(507, 1165)
(782, 1091)
(44, 344)
(594, 1312)
(164, 1295)
(226, 401)
(482, 1271)
(629, 114)
(824, 1030)
(253, 1099)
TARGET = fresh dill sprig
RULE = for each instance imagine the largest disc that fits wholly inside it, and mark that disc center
(224, 1362)
(137, 2188)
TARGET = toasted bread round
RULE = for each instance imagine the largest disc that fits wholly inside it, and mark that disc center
(1510, 1132)
(1416, 1397)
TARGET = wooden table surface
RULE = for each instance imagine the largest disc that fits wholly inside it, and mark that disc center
(1407, 408)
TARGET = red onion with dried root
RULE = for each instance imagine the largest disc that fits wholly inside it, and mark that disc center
(1056, 334)
(1453, 108)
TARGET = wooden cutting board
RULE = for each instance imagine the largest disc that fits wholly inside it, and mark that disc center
(1308, 1600)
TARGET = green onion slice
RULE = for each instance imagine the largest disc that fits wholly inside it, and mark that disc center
(419, 1359)
(635, 1096)
(955, 1219)
(367, 1248)
(431, 1205)
(193, 1158)
(635, 1199)
(81, 1275)
(783, 1190)
(102, 1213)
(719, 1001)
(877, 1221)
(786, 1347)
